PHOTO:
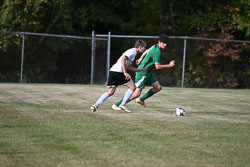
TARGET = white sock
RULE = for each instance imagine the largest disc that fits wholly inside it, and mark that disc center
(103, 97)
(127, 95)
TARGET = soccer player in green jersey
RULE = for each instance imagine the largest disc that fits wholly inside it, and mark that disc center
(149, 61)
(118, 75)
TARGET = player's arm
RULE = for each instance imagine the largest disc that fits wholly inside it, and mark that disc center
(123, 60)
(131, 68)
(138, 61)
(162, 66)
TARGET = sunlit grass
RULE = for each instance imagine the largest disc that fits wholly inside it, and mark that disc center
(51, 125)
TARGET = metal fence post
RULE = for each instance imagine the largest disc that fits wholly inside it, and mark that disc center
(22, 58)
(108, 56)
(183, 62)
(92, 77)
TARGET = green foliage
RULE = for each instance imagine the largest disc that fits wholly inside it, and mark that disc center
(241, 16)
(205, 18)
(130, 17)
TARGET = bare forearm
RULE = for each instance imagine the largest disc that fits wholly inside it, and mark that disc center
(142, 57)
(159, 66)
(131, 68)
(144, 54)
(162, 66)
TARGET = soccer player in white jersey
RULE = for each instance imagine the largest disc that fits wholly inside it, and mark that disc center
(118, 75)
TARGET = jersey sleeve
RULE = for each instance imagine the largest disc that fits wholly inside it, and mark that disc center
(157, 57)
(130, 54)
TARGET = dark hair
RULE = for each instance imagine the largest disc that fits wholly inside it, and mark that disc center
(139, 43)
(163, 38)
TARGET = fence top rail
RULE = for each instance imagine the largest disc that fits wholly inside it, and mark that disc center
(124, 36)
(171, 37)
(216, 39)
(51, 35)
(105, 36)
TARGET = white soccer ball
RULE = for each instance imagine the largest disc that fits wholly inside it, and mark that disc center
(179, 112)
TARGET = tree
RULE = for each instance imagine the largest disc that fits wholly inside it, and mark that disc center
(226, 19)
(218, 23)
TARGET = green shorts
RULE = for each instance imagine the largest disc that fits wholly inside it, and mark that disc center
(142, 80)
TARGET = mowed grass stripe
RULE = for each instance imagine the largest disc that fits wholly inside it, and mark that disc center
(62, 132)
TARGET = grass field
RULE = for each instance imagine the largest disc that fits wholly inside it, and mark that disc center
(47, 125)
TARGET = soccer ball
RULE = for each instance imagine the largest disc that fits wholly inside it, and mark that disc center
(179, 112)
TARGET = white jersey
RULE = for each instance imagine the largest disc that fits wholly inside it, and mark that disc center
(130, 54)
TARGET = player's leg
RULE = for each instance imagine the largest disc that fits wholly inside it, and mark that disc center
(113, 81)
(136, 94)
(102, 98)
(140, 84)
(156, 88)
(127, 95)
(105, 95)
(129, 92)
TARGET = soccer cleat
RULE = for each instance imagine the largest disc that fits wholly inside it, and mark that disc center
(115, 107)
(138, 100)
(124, 108)
(93, 108)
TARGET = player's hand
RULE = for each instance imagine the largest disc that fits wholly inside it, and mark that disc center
(138, 61)
(127, 76)
(143, 70)
(172, 63)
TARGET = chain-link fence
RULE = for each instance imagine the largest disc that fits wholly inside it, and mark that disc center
(49, 58)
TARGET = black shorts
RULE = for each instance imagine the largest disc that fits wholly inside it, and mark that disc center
(116, 78)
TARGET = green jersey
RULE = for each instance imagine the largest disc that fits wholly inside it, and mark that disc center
(153, 57)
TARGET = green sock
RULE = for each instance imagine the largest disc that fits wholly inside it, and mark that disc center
(120, 102)
(147, 95)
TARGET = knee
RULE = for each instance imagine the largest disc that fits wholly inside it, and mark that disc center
(157, 88)
(111, 93)
(137, 94)
(132, 88)
(160, 88)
